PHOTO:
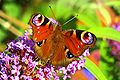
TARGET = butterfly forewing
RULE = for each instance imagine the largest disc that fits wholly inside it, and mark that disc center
(42, 27)
(76, 41)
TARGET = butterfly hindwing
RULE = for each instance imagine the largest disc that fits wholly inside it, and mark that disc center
(52, 50)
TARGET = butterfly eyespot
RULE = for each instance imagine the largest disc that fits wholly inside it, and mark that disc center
(69, 55)
(87, 37)
(38, 19)
(39, 43)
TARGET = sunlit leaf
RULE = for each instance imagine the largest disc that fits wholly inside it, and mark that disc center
(113, 3)
(89, 19)
(107, 32)
(89, 65)
(105, 14)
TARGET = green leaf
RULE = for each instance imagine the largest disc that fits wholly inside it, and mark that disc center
(94, 70)
(2, 35)
(105, 51)
(89, 18)
(106, 59)
(64, 8)
(105, 13)
(106, 32)
(26, 16)
(12, 9)
(113, 3)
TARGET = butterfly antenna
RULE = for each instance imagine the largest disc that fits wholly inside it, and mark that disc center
(70, 20)
(52, 12)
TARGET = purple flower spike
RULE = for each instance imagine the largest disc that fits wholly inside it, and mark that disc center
(71, 68)
(114, 44)
(18, 62)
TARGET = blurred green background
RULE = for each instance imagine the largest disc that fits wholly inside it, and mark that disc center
(101, 17)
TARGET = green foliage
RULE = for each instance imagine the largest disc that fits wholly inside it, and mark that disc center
(113, 3)
(12, 9)
(2, 35)
(107, 60)
(63, 11)
(94, 70)
(89, 19)
(107, 32)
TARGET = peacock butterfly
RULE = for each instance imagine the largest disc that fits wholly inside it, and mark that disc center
(56, 46)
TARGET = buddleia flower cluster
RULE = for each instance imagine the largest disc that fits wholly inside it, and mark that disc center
(19, 62)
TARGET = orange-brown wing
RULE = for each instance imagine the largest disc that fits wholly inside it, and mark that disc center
(72, 44)
(60, 58)
(42, 27)
(52, 51)
(44, 51)
(77, 41)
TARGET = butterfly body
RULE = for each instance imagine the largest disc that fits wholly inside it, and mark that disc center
(55, 46)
